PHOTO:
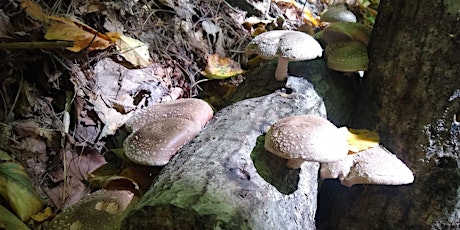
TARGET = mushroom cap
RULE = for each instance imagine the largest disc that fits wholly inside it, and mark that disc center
(371, 166)
(293, 45)
(378, 166)
(192, 109)
(155, 143)
(103, 209)
(308, 138)
(346, 31)
(348, 56)
(338, 14)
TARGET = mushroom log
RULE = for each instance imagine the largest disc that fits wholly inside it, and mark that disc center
(287, 46)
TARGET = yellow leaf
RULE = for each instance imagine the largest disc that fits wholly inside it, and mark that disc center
(133, 50)
(43, 215)
(68, 29)
(221, 67)
(361, 139)
(17, 190)
(82, 35)
(34, 10)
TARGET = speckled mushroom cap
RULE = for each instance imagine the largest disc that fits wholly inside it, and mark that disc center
(306, 138)
(348, 56)
(155, 143)
(294, 45)
(193, 109)
(338, 14)
(102, 210)
(371, 166)
(287, 45)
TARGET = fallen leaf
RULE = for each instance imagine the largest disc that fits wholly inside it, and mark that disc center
(44, 215)
(221, 67)
(361, 139)
(17, 190)
(34, 10)
(133, 50)
(9, 221)
(4, 156)
(68, 29)
(71, 31)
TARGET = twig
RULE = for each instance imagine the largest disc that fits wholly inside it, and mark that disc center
(35, 45)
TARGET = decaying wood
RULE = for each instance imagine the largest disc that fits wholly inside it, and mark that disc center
(224, 180)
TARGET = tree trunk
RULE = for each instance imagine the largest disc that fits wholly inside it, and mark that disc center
(225, 179)
(410, 96)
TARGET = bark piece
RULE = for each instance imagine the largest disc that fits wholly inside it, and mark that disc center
(213, 182)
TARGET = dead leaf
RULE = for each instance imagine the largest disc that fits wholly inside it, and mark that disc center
(133, 50)
(46, 214)
(34, 10)
(221, 67)
(9, 221)
(361, 139)
(78, 33)
(68, 29)
(17, 190)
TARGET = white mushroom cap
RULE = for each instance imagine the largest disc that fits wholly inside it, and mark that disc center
(155, 143)
(192, 109)
(288, 45)
(306, 138)
(372, 166)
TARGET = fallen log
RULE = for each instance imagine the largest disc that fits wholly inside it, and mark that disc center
(225, 179)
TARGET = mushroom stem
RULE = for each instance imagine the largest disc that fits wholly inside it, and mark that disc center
(282, 69)
(294, 163)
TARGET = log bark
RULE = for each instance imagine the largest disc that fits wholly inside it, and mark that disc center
(225, 179)
(410, 96)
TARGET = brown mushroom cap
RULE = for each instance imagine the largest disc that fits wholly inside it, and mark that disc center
(192, 109)
(103, 209)
(287, 45)
(306, 138)
(371, 166)
(155, 143)
(348, 56)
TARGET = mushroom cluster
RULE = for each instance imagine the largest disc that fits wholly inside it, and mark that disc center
(160, 130)
(313, 138)
(287, 45)
(345, 40)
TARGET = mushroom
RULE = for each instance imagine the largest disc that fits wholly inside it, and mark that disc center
(338, 13)
(306, 138)
(371, 166)
(348, 56)
(189, 108)
(155, 143)
(103, 209)
(346, 31)
(287, 45)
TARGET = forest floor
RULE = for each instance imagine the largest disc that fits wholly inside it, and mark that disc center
(62, 110)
